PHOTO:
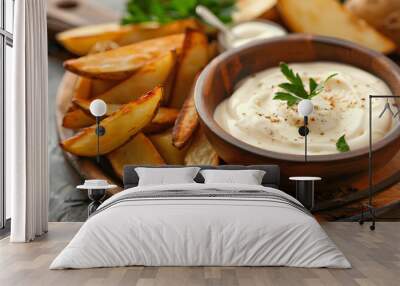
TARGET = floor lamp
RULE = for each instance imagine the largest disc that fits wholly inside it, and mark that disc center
(370, 208)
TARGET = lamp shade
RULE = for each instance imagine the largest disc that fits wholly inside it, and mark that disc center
(98, 107)
(305, 107)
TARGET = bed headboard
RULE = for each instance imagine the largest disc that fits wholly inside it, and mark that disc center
(271, 178)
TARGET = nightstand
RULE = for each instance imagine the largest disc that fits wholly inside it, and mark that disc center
(96, 192)
(305, 190)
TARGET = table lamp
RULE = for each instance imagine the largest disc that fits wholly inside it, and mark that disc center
(305, 185)
(305, 108)
(98, 108)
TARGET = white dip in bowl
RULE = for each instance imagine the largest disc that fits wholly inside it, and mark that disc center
(251, 114)
(248, 32)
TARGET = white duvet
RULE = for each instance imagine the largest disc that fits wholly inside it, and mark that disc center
(193, 231)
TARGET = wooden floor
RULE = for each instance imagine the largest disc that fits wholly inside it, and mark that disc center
(375, 257)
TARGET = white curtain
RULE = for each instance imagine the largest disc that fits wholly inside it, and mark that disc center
(26, 124)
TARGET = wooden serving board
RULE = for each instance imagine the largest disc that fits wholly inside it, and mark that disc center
(336, 199)
(66, 14)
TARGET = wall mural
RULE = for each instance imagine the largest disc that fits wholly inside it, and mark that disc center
(127, 95)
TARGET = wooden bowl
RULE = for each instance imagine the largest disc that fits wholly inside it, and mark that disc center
(219, 78)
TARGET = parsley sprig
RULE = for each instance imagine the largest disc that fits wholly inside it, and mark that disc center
(165, 11)
(341, 144)
(294, 90)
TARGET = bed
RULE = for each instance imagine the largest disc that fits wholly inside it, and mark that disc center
(199, 224)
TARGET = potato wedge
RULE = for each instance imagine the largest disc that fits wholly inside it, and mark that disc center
(164, 119)
(212, 50)
(82, 88)
(77, 119)
(145, 79)
(200, 151)
(120, 126)
(171, 154)
(193, 59)
(169, 83)
(80, 41)
(137, 151)
(383, 15)
(100, 86)
(330, 18)
(120, 63)
(104, 46)
(143, 32)
(248, 10)
(186, 123)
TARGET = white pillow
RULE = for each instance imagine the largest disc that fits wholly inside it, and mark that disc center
(247, 177)
(166, 176)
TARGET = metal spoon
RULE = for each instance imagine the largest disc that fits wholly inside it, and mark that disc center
(213, 20)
